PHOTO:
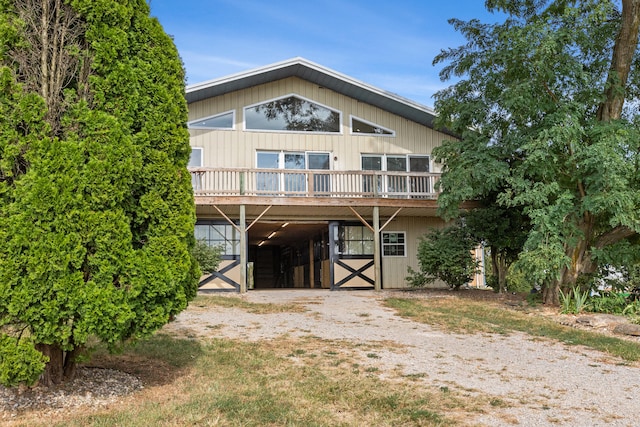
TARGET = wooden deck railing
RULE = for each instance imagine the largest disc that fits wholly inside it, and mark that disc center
(312, 183)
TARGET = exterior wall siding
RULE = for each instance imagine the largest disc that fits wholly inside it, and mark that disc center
(394, 269)
(237, 147)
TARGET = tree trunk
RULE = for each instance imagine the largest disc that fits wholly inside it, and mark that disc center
(70, 363)
(502, 273)
(581, 263)
(61, 366)
(54, 370)
(495, 269)
(623, 52)
(500, 268)
(551, 293)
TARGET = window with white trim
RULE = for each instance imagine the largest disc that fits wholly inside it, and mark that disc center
(394, 244)
(363, 127)
(396, 162)
(396, 184)
(292, 182)
(195, 159)
(219, 121)
(292, 113)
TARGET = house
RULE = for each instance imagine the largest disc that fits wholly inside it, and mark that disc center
(309, 178)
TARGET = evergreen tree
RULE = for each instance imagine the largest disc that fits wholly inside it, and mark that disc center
(96, 205)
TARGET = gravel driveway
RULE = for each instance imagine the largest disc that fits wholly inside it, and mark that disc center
(541, 383)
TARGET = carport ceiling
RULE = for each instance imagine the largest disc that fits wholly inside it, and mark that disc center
(292, 234)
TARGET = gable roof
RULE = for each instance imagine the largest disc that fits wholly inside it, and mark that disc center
(322, 76)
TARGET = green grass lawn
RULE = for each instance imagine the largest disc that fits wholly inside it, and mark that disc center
(307, 381)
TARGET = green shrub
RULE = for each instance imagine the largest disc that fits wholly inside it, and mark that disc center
(415, 279)
(207, 257)
(573, 301)
(20, 362)
(607, 302)
(445, 254)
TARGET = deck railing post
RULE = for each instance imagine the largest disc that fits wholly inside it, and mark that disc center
(375, 185)
(242, 182)
(377, 262)
(310, 182)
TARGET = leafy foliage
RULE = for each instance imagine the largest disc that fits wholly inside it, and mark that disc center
(96, 205)
(504, 231)
(20, 362)
(445, 254)
(207, 257)
(573, 301)
(608, 302)
(535, 107)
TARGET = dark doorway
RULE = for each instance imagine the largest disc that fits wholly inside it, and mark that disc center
(288, 255)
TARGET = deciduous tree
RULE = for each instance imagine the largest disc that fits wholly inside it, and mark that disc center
(547, 109)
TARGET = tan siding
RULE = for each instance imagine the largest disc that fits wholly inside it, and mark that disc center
(394, 269)
(236, 148)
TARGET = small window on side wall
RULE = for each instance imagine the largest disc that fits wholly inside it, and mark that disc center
(394, 244)
(219, 121)
(195, 159)
(363, 127)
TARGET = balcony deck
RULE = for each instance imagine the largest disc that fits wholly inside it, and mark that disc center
(322, 187)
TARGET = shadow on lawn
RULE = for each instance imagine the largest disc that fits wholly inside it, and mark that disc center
(157, 360)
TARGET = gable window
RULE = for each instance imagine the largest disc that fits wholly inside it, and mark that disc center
(292, 114)
(394, 244)
(360, 126)
(219, 121)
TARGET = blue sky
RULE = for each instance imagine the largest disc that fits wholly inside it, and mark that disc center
(388, 44)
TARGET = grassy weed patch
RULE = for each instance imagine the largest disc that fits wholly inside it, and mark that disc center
(466, 316)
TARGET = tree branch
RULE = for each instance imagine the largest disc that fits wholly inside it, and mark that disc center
(613, 236)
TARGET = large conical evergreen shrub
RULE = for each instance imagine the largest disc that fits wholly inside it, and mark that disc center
(96, 205)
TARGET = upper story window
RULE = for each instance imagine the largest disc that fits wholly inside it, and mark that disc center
(291, 114)
(395, 163)
(363, 127)
(397, 184)
(195, 159)
(293, 182)
(219, 121)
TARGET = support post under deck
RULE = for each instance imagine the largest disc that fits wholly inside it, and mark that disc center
(243, 249)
